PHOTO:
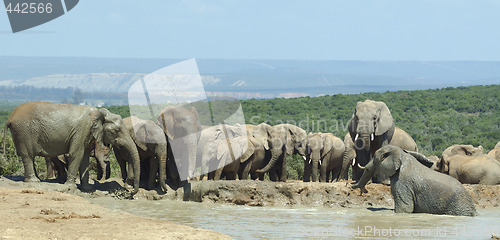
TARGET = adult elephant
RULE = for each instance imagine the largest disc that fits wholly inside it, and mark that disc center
(469, 165)
(50, 129)
(370, 127)
(323, 151)
(256, 158)
(151, 145)
(229, 161)
(280, 140)
(183, 129)
(416, 188)
(400, 139)
(213, 139)
(59, 164)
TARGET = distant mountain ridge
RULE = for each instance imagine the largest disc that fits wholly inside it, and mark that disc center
(250, 78)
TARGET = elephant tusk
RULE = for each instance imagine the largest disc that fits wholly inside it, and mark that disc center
(356, 138)
(361, 167)
(320, 162)
(353, 163)
(372, 137)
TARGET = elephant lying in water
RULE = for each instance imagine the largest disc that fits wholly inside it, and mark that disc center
(400, 138)
(416, 188)
(469, 165)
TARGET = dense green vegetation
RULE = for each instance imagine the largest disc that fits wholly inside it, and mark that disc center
(435, 118)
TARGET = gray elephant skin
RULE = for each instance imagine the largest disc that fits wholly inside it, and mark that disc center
(151, 144)
(49, 129)
(213, 147)
(370, 127)
(324, 151)
(415, 187)
(183, 129)
(400, 139)
(280, 140)
(469, 165)
(59, 164)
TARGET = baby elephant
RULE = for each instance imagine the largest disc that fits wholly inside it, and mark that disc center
(416, 188)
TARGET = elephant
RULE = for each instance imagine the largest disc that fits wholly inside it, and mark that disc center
(464, 150)
(417, 188)
(209, 145)
(495, 153)
(400, 138)
(327, 150)
(229, 163)
(280, 140)
(59, 164)
(370, 127)
(51, 129)
(183, 129)
(469, 165)
(254, 158)
(151, 144)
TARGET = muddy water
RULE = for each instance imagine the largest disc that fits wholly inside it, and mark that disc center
(242, 222)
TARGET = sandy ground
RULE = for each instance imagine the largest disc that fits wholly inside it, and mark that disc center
(35, 213)
(50, 211)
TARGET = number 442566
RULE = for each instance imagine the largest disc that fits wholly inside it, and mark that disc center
(29, 8)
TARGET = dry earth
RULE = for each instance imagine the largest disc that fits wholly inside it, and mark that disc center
(39, 211)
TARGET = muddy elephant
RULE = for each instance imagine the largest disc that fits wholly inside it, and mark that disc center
(324, 151)
(59, 164)
(417, 188)
(400, 139)
(183, 129)
(280, 140)
(469, 165)
(151, 144)
(213, 143)
(495, 153)
(229, 161)
(50, 129)
(370, 127)
(257, 158)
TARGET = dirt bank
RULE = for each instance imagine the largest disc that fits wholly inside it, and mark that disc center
(36, 213)
(46, 213)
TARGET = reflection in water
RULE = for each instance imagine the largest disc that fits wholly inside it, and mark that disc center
(243, 222)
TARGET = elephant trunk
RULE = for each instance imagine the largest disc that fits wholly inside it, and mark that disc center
(315, 166)
(275, 153)
(163, 166)
(134, 161)
(346, 161)
(368, 174)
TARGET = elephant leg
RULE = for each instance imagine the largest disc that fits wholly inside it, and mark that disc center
(336, 174)
(261, 176)
(253, 176)
(29, 170)
(153, 170)
(273, 176)
(307, 171)
(322, 174)
(211, 175)
(283, 169)
(122, 163)
(50, 168)
(84, 172)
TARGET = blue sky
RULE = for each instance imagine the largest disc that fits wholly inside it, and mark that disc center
(424, 30)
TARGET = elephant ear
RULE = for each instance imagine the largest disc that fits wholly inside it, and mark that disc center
(327, 145)
(262, 132)
(385, 121)
(140, 136)
(166, 120)
(249, 149)
(96, 121)
(291, 139)
(352, 126)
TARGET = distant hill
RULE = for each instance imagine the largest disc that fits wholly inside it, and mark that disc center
(246, 79)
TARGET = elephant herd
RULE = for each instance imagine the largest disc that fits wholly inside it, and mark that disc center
(176, 147)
